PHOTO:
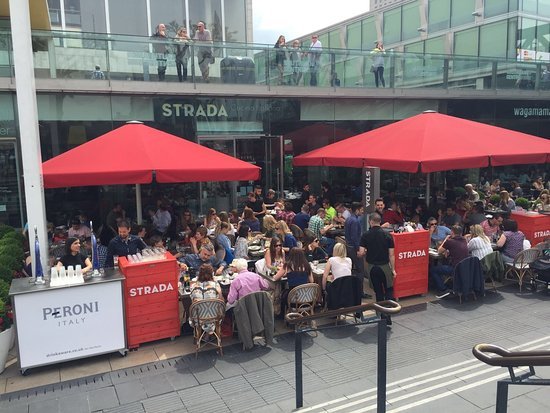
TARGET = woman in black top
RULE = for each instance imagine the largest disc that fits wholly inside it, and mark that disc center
(74, 257)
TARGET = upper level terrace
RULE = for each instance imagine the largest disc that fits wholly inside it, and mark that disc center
(65, 61)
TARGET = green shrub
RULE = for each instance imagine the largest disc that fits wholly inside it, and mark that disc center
(4, 291)
(481, 195)
(6, 273)
(494, 199)
(11, 262)
(6, 315)
(459, 191)
(13, 250)
(15, 237)
(4, 229)
(523, 202)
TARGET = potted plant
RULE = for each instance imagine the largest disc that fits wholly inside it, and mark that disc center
(524, 203)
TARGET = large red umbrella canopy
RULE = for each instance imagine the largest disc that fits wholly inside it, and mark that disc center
(431, 142)
(130, 154)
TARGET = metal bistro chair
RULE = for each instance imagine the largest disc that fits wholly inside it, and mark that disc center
(302, 299)
(209, 311)
(520, 267)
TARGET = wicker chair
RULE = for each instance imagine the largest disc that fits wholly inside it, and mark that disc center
(209, 311)
(302, 299)
(520, 267)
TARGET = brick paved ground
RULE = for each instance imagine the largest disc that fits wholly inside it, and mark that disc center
(430, 368)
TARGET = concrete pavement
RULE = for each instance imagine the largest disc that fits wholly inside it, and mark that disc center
(430, 368)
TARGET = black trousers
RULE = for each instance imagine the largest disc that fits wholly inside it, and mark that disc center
(181, 68)
(357, 265)
(379, 76)
(380, 284)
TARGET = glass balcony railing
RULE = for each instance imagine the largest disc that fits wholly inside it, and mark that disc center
(74, 55)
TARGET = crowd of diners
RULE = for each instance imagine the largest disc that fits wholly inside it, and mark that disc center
(473, 223)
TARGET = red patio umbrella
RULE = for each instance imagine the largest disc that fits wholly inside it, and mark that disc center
(133, 153)
(431, 142)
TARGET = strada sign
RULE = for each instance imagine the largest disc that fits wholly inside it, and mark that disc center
(411, 254)
(150, 289)
(209, 110)
(371, 188)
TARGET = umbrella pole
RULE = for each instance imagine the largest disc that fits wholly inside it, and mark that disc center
(138, 204)
(428, 189)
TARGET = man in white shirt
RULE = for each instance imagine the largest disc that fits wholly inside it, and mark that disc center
(314, 59)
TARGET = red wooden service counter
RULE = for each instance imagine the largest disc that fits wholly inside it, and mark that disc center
(411, 263)
(151, 299)
(536, 227)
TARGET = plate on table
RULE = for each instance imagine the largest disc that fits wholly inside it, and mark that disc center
(255, 248)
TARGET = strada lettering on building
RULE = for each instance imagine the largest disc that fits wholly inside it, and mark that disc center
(541, 234)
(188, 110)
(150, 289)
(411, 254)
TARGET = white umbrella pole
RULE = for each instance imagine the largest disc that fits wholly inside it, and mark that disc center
(138, 204)
(428, 189)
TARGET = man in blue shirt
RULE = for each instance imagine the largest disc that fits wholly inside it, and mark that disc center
(438, 233)
(123, 244)
(352, 228)
(206, 255)
(302, 218)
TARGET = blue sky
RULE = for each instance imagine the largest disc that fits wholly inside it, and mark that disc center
(294, 18)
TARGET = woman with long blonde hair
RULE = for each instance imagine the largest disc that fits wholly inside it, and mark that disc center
(479, 245)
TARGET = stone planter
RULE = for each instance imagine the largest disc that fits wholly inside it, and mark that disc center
(6, 338)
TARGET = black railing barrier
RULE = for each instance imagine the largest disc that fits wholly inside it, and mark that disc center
(302, 324)
(512, 359)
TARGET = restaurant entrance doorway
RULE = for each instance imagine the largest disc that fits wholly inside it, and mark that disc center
(263, 151)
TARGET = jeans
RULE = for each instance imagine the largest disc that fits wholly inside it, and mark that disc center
(438, 273)
(358, 265)
(379, 76)
(327, 244)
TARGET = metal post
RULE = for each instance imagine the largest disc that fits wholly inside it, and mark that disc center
(381, 367)
(298, 368)
(445, 73)
(502, 397)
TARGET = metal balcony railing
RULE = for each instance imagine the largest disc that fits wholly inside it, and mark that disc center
(74, 55)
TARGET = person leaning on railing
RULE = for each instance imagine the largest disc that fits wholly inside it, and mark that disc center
(203, 37)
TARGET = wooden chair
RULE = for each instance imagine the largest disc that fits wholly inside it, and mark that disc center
(520, 267)
(207, 312)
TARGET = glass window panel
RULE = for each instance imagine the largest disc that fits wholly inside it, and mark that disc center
(529, 6)
(544, 8)
(235, 21)
(490, 39)
(54, 7)
(435, 45)
(415, 48)
(334, 39)
(513, 5)
(527, 35)
(370, 36)
(411, 21)
(495, 7)
(128, 17)
(466, 42)
(543, 36)
(169, 12)
(392, 26)
(512, 32)
(93, 16)
(439, 12)
(461, 12)
(354, 36)
(210, 13)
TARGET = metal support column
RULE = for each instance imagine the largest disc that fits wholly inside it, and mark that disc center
(381, 367)
(298, 369)
(502, 397)
(28, 124)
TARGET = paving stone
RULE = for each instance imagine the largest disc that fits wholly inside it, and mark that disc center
(22, 408)
(198, 395)
(228, 369)
(245, 401)
(77, 403)
(155, 385)
(164, 403)
(231, 386)
(46, 406)
(181, 379)
(275, 391)
(208, 376)
(263, 377)
(101, 399)
(129, 392)
(135, 407)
